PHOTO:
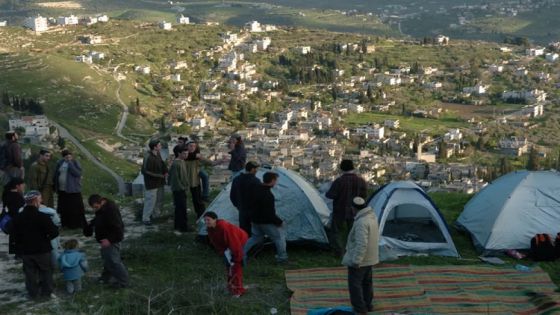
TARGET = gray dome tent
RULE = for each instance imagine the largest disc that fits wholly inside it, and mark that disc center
(507, 213)
(409, 222)
(298, 204)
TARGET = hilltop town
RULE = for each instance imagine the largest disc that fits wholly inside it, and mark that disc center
(449, 114)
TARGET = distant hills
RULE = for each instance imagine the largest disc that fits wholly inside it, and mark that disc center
(466, 19)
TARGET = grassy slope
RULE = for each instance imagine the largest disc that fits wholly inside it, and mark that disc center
(174, 274)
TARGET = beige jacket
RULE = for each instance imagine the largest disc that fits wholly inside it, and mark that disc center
(362, 247)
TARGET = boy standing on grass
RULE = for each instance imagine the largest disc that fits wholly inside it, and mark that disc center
(109, 232)
(73, 264)
(228, 240)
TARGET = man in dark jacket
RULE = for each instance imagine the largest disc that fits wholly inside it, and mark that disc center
(342, 191)
(242, 194)
(33, 232)
(14, 162)
(154, 170)
(265, 221)
(238, 155)
(109, 232)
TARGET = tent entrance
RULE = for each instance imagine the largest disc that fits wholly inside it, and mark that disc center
(412, 223)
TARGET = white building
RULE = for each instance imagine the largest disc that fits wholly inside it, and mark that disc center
(176, 77)
(393, 124)
(67, 20)
(254, 27)
(165, 25)
(534, 52)
(103, 18)
(97, 55)
(357, 108)
(441, 40)
(35, 126)
(198, 123)
(304, 50)
(530, 96)
(521, 72)
(263, 44)
(181, 19)
(478, 89)
(3, 23)
(496, 68)
(229, 38)
(533, 111)
(37, 23)
(453, 135)
(551, 57)
(142, 69)
(84, 59)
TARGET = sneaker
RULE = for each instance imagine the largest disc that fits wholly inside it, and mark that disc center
(147, 223)
(52, 296)
(117, 285)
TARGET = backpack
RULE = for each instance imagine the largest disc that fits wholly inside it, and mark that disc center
(542, 248)
(4, 156)
(5, 219)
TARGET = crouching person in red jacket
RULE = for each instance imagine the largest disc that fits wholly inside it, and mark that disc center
(228, 240)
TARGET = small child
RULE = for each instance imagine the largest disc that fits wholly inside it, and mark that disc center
(73, 264)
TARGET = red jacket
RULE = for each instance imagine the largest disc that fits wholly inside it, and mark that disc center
(226, 235)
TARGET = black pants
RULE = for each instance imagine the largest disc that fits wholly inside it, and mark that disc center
(198, 204)
(338, 234)
(245, 221)
(113, 266)
(38, 272)
(360, 285)
(180, 202)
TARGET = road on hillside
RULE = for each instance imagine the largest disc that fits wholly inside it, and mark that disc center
(124, 114)
(64, 133)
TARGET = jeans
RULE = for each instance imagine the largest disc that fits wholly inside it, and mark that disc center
(113, 265)
(73, 286)
(204, 178)
(152, 198)
(275, 233)
(180, 202)
(38, 274)
(360, 285)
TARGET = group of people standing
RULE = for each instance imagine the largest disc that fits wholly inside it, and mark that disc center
(34, 226)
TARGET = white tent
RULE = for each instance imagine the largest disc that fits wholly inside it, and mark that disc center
(409, 222)
(298, 204)
(507, 213)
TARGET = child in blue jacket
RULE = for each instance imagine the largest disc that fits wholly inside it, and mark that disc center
(73, 264)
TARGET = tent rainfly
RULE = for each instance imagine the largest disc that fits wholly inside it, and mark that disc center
(507, 213)
(409, 222)
(301, 207)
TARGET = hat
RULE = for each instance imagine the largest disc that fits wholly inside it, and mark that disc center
(31, 195)
(346, 165)
(251, 165)
(359, 203)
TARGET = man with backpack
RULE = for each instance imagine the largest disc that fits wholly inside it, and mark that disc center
(11, 161)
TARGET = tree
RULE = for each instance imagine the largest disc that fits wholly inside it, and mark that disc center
(505, 166)
(442, 148)
(6, 99)
(533, 160)
(334, 93)
(61, 143)
(243, 114)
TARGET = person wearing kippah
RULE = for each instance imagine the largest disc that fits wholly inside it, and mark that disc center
(362, 252)
(33, 232)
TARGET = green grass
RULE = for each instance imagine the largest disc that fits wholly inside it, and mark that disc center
(174, 274)
(413, 124)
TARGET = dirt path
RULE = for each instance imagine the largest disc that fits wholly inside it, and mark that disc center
(12, 288)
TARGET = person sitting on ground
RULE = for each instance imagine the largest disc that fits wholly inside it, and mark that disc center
(109, 232)
(73, 264)
(33, 232)
(228, 240)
